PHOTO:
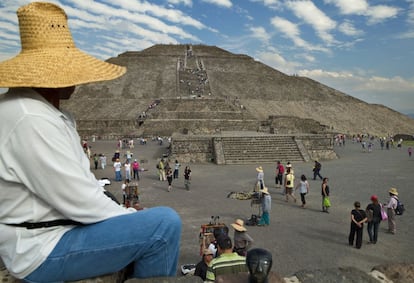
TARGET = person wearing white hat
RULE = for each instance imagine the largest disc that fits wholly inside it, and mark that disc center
(202, 266)
(56, 222)
(391, 206)
(242, 240)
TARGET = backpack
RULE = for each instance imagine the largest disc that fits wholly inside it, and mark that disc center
(399, 210)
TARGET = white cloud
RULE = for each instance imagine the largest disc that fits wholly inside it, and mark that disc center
(380, 13)
(272, 4)
(221, 3)
(349, 29)
(274, 59)
(291, 31)
(260, 33)
(184, 2)
(350, 7)
(312, 15)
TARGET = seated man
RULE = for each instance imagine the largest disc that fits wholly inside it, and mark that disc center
(228, 262)
(56, 222)
(259, 263)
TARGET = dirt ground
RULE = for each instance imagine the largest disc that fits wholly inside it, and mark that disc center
(299, 239)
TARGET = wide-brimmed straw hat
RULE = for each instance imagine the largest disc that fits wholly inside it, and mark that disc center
(265, 190)
(259, 169)
(393, 191)
(239, 225)
(49, 57)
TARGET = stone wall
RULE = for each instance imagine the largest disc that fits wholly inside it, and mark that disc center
(292, 124)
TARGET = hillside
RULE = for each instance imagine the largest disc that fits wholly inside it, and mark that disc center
(199, 72)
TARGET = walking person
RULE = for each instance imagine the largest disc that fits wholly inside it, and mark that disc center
(176, 169)
(280, 171)
(117, 168)
(289, 184)
(127, 167)
(169, 175)
(95, 160)
(135, 169)
(358, 218)
(303, 187)
(317, 169)
(373, 212)
(187, 177)
(391, 206)
(326, 202)
(102, 159)
(260, 177)
(266, 200)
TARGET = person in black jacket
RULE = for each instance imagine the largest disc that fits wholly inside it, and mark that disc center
(358, 217)
(374, 219)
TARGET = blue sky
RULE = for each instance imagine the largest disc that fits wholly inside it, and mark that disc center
(364, 48)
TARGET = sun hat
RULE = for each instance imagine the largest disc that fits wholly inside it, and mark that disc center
(49, 57)
(239, 225)
(393, 191)
(208, 252)
(259, 169)
(265, 191)
(374, 198)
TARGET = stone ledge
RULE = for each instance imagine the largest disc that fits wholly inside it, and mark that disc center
(392, 273)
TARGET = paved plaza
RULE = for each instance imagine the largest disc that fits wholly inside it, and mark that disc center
(299, 239)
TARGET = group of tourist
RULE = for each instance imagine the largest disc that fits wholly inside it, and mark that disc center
(374, 213)
(167, 173)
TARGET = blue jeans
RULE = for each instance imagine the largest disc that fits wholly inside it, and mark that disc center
(149, 239)
(118, 176)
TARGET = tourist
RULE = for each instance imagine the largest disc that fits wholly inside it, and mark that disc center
(260, 178)
(187, 177)
(169, 178)
(391, 206)
(326, 203)
(358, 217)
(62, 227)
(373, 212)
(303, 187)
(242, 240)
(317, 169)
(280, 170)
(202, 266)
(410, 151)
(228, 262)
(266, 201)
(127, 168)
(117, 168)
(289, 184)
(135, 169)
(124, 187)
(102, 159)
(96, 161)
(161, 170)
(176, 169)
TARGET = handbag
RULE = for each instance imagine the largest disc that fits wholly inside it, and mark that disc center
(326, 202)
(384, 215)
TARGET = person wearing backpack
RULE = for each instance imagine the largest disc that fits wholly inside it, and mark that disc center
(391, 206)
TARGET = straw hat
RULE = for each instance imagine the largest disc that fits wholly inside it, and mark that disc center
(49, 57)
(265, 191)
(259, 169)
(393, 191)
(239, 225)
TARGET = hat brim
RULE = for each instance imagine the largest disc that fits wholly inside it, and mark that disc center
(238, 227)
(55, 68)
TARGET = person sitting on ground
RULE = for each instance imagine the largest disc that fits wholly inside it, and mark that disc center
(242, 240)
(201, 267)
(56, 222)
(228, 262)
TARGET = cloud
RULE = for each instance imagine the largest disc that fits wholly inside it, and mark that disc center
(272, 58)
(184, 2)
(221, 3)
(260, 33)
(291, 31)
(272, 4)
(312, 15)
(349, 29)
(375, 13)
(396, 92)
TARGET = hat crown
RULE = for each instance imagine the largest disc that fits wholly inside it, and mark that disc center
(43, 25)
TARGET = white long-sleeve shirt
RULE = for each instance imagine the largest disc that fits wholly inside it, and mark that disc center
(44, 175)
